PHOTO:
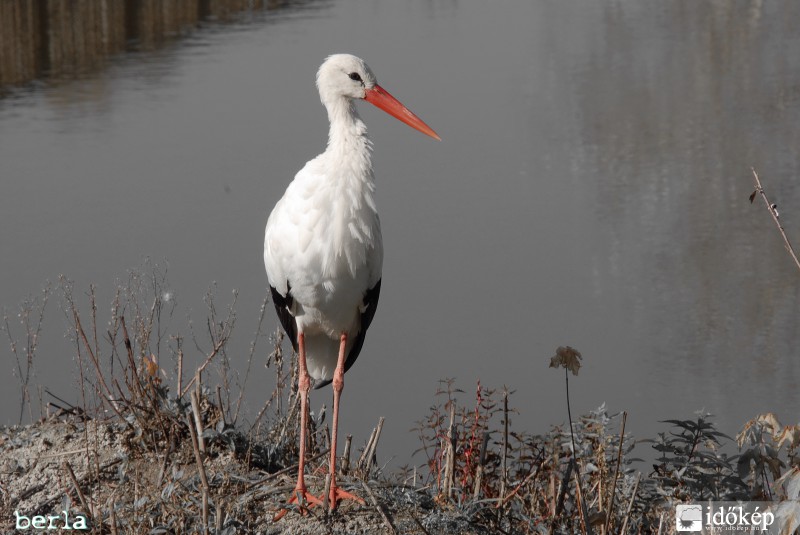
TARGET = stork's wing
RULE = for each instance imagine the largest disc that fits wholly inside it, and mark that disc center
(370, 305)
(282, 305)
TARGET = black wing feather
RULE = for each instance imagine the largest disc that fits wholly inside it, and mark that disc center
(371, 304)
(282, 305)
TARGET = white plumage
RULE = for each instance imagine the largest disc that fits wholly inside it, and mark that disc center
(323, 249)
(324, 236)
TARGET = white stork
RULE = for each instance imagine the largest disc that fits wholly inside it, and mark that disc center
(323, 249)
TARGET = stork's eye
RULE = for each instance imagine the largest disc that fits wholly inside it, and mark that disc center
(355, 76)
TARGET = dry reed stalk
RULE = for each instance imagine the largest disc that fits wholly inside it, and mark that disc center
(201, 470)
(325, 497)
(476, 489)
(219, 403)
(218, 516)
(504, 454)
(345, 465)
(630, 504)
(78, 491)
(198, 420)
(450, 455)
(179, 343)
(616, 473)
(367, 458)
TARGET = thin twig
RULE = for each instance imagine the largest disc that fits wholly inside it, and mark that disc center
(513, 493)
(77, 486)
(610, 512)
(379, 507)
(345, 466)
(773, 211)
(217, 346)
(106, 392)
(418, 523)
(286, 470)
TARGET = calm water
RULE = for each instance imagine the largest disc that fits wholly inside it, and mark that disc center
(591, 190)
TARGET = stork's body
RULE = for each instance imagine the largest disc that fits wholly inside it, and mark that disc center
(323, 249)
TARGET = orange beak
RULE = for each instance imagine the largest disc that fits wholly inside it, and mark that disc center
(379, 97)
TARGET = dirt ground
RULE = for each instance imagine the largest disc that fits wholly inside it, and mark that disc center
(96, 468)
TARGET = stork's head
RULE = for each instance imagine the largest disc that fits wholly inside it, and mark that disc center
(344, 75)
(347, 76)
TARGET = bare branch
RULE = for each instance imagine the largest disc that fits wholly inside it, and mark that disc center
(773, 211)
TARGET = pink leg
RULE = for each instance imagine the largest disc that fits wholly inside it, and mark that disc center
(300, 495)
(337, 494)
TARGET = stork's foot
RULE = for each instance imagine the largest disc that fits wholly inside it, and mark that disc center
(337, 494)
(302, 498)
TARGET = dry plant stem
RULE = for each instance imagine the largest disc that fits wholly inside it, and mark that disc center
(616, 473)
(630, 504)
(476, 490)
(47, 506)
(106, 391)
(504, 457)
(367, 458)
(198, 421)
(139, 389)
(587, 527)
(180, 365)
(361, 464)
(113, 520)
(77, 486)
(348, 442)
(201, 469)
(219, 404)
(450, 455)
(386, 519)
(326, 495)
(286, 470)
(217, 346)
(774, 213)
(250, 358)
(562, 492)
(514, 492)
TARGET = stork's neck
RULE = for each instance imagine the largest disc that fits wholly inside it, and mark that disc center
(347, 137)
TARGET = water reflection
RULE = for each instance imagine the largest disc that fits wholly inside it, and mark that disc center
(62, 38)
(666, 145)
(592, 187)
